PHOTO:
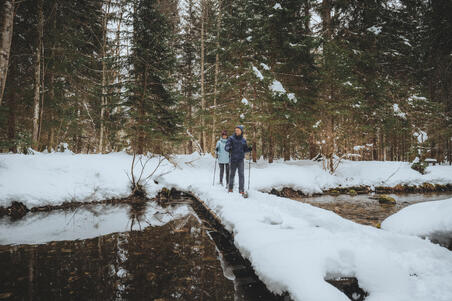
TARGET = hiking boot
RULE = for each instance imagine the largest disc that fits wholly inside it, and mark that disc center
(229, 190)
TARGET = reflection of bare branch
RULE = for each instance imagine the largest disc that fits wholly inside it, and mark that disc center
(157, 214)
(131, 169)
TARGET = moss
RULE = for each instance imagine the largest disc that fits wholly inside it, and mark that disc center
(333, 192)
(386, 199)
(352, 192)
(165, 192)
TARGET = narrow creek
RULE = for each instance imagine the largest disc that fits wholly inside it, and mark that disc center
(139, 251)
(173, 249)
(365, 209)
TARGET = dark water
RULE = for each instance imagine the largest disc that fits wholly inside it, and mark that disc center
(143, 251)
(168, 255)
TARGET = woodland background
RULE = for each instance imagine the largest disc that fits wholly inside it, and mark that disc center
(370, 80)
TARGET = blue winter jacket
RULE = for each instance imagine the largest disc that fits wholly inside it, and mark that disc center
(223, 155)
(237, 147)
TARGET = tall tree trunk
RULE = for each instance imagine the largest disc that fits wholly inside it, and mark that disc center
(254, 151)
(78, 134)
(5, 47)
(50, 144)
(328, 148)
(286, 147)
(42, 94)
(37, 90)
(270, 145)
(103, 97)
(307, 16)
(217, 68)
(313, 150)
(203, 96)
(12, 100)
(141, 134)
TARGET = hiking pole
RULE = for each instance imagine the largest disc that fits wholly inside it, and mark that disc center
(214, 171)
(249, 171)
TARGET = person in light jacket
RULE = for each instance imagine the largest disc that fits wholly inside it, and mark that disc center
(223, 157)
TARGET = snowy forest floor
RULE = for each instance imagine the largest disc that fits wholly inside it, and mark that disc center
(293, 247)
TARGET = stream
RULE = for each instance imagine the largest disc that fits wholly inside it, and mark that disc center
(175, 250)
(365, 209)
(138, 251)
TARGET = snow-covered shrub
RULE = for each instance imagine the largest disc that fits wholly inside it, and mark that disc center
(138, 180)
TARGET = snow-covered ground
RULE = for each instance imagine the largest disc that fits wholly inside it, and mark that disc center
(292, 246)
(309, 177)
(421, 219)
(43, 179)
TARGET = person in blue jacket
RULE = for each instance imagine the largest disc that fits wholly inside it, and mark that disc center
(223, 156)
(237, 147)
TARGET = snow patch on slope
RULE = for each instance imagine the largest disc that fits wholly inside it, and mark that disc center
(421, 219)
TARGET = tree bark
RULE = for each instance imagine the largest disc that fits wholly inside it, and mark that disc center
(286, 148)
(5, 47)
(103, 97)
(42, 94)
(203, 96)
(270, 145)
(254, 151)
(12, 121)
(141, 134)
(37, 88)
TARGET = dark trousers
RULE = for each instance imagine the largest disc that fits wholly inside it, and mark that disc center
(224, 166)
(240, 167)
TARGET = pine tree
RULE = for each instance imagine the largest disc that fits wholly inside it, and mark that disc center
(149, 97)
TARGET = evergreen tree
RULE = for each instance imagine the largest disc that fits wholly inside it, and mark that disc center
(154, 123)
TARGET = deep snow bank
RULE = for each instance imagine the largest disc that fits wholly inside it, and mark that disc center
(51, 179)
(421, 219)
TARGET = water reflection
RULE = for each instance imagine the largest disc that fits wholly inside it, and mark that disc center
(176, 260)
(86, 222)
